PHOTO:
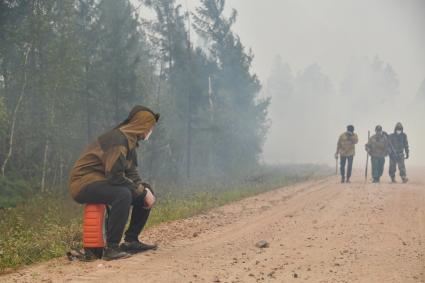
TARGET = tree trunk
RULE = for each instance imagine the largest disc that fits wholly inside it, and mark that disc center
(189, 139)
(61, 165)
(154, 146)
(43, 176)
(189, 116)
(15, 112)
(89, 116)
(212, 138)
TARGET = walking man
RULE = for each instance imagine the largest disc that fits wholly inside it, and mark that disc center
(377, 147)
(346, 150)
(399, 151)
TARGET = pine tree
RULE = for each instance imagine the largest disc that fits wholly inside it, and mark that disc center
(241, 116)
(370, 88)
(281, 90)
(118, 47)
(421, 92)
(314, 92)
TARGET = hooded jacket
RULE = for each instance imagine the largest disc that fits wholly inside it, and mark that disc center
(112, 156)
(398, 142)
(346, 144)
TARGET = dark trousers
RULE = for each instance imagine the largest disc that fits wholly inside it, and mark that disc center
(349, 161)
(397, 161)
(120, 199)
(377, 167)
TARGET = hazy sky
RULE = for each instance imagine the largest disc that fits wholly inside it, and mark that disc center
(331, 32)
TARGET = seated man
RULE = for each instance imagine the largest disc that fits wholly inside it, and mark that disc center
(106, 173)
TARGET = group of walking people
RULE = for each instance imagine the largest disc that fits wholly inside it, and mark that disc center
(379, 146)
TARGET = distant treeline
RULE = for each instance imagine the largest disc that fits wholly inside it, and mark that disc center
(70, 70)
(309, 109)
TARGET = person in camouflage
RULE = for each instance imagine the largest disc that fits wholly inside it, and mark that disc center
(377, 147)
(346, 150)
(399, 151)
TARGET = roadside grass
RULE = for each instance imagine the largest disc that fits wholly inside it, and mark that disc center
(47, 226)
(191, 201)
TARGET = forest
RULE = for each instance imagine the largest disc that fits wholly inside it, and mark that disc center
(71, 70)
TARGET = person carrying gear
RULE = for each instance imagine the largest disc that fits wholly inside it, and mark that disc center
(346, 150)
(377, 147)
(399, 151)
(106, 173)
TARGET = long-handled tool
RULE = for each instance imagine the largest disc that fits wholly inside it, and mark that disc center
(367, 157)
(336, 165)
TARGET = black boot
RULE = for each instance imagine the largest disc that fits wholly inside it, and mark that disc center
(348, 180)
(113, 251)
(393, 180)
(342, 179)
(136, 247)
(405, 180)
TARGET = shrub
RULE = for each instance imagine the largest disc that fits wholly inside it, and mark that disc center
(13, 192)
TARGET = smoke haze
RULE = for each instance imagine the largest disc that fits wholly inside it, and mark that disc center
(340, 62)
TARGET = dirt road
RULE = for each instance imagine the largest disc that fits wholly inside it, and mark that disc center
(319, 231)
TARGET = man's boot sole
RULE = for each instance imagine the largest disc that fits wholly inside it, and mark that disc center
(122, 257)
(132, 252)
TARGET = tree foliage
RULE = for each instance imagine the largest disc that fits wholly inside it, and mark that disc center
(89, 61)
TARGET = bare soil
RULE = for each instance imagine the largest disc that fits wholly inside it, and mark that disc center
(319, 231)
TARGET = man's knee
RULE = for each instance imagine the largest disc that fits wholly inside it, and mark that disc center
(123, 195)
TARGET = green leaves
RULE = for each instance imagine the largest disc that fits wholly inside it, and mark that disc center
(91, 61)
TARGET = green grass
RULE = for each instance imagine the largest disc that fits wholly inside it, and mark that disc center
(13, 191)
(37, 230)
(47, 226)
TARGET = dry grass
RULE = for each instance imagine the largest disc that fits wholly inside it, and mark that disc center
(47, 226)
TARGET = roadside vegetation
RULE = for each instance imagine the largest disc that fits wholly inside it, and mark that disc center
(46, 226)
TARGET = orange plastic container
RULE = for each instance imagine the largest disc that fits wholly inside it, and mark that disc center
(94, 226)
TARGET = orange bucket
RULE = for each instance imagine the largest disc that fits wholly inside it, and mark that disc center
(94, 228)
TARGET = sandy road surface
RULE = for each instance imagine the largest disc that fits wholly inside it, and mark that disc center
(320, 231)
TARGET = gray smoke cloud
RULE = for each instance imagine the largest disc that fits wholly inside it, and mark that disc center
(344, 61)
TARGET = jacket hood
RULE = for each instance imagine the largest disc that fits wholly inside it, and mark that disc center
(350, 128)
(398, 126)
(138, 124)
(134, 111)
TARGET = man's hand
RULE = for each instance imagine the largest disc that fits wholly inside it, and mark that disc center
(147, 186)
(149, 199)
(407, 156)
(140, 192)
